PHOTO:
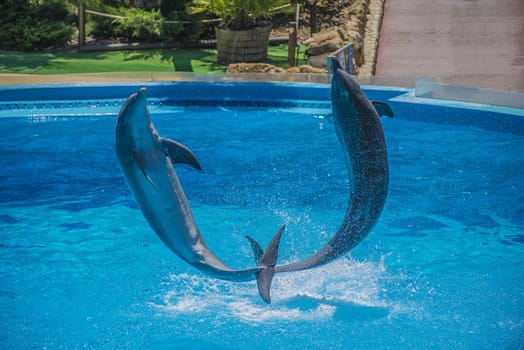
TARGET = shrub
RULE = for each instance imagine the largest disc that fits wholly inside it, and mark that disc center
(32, 25)
(240, 14)
(141, 25)
(144, 24)
(183, 34)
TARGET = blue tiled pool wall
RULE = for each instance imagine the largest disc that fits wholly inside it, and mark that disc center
(506, 121)
(82, 98)
(196, 92)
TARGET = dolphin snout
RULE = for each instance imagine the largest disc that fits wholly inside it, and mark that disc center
(134, 107)
(141, 94)
(138, 101)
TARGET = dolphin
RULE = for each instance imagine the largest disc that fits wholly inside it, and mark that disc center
(147, 160)
(360, 134)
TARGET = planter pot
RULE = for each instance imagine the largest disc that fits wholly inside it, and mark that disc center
(242, 45)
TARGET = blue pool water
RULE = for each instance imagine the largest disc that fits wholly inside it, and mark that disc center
(80, 267)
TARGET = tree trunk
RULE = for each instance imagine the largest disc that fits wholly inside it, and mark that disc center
(313, 22)
(81, 24)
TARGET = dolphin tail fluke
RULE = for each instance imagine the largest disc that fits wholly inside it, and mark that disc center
(264, 279)
(268, 260)
(258, 252)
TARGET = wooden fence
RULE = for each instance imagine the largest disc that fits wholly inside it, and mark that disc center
(82, 11)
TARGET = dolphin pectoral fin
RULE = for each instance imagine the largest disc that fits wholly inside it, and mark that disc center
(139, 164)
(258, 252)
(268, 260)
(383, 109)
(180, 153)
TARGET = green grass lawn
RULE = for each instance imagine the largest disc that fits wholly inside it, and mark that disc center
(162, 60)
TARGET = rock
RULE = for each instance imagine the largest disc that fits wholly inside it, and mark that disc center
(314, 50)
(268, 68)
(319, 61)
(325, 41)
(353, 30)
(372, 31)
(307, 69)
(293, 70)
(355, 37)
(360, 26)
(357, 8)
(253, 68)
(325, 35)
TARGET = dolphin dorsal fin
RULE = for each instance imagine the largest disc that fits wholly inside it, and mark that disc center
(178, 153)
(382, 108)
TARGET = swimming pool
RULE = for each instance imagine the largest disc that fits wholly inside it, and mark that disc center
(80, 267)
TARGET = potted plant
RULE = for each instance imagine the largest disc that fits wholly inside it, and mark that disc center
(243, 34)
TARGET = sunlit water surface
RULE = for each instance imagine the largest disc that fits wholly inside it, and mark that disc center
(80, 267)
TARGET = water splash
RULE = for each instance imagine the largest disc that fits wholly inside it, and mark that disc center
(342, 289)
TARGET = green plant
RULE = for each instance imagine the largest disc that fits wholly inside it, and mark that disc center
(166, 22)
(32, 25)
(103, 27)
(188, 32)
(318, 3)
(140, 24)
(240, 14)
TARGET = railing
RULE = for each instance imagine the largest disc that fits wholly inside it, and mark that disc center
(82, 10)
(293, 48)
(107, 15)
(342, 58)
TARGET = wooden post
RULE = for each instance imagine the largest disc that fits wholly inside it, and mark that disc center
(81, 25)
(292, 45)
(313, 18)
(293, 39)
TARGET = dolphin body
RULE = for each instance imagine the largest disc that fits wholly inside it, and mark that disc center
(147, 160)
(360, 133)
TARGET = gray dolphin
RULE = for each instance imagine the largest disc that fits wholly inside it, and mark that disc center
(146, 160)
(360, 133)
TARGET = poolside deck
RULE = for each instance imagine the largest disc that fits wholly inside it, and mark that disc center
(461, 42)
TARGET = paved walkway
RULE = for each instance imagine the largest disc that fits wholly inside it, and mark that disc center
(462, 42)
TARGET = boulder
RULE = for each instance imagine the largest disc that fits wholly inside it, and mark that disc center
(269, 68)
(307, 69)
(319, 61)
(328, 40)
(253, 68)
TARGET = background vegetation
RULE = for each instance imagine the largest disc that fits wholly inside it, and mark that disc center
(151, 23)
(33, 25)
(36, 36)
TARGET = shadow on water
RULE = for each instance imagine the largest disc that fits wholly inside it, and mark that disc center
(347, 311)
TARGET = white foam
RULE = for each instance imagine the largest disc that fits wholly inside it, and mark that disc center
(310, 295)
(343, 280)
(248, 311)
